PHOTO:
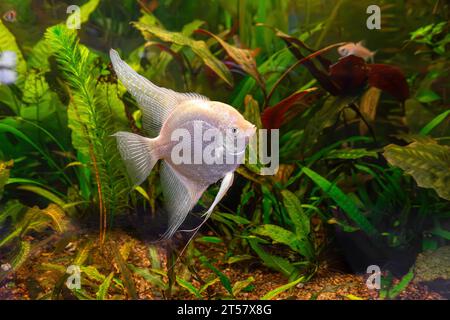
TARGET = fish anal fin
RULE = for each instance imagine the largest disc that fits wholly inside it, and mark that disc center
(180, 196)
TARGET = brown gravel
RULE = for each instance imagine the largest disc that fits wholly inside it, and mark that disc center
(32, 281)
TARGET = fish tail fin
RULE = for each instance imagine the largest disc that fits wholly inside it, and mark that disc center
(138, 153)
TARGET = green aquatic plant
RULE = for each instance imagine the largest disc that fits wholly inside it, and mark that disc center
(363, 147)
(95, 112)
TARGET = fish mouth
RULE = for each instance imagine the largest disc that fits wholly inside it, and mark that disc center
(250, 132)
(238, 153)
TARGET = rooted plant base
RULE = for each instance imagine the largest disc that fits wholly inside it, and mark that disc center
(41, 273)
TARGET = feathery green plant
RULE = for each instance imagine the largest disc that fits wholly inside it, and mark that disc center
(94, 114)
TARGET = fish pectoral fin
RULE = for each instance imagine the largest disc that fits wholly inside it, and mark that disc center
(156, 103)
(227, 181)
(180, 196)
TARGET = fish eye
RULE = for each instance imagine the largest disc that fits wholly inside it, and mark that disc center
(234, 130)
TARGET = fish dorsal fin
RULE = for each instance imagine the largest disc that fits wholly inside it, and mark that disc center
(361, 43)
(156, 103)
(180, 196)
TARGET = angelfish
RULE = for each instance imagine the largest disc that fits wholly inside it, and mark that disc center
(8, 61)
(356, 49)
(165, 112)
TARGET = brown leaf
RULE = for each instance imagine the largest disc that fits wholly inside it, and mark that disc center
(244, 58)
(368, 107)
(273, 117)
(390, 79)
(298, 43)
(251, 111)
(284, 173)
(322, 77)
(349, 73)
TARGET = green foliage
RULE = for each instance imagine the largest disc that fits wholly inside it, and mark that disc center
(94, 114)
(198, 47)
(273, 293)
(8, 43)
(32, 219)
(344, 202)
(299, 240)
(428, 163)
(280, 71)
(4, 175)
(427, 35)
(390, 290)
(103, 288)
(277, 263)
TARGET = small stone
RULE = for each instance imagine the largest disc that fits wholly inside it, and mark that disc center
(5, 267)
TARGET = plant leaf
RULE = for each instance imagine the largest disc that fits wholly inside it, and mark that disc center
(4, 175)
(278, 234)
(244, 58)
(428, 163)
(125, 272)
(251, 111)
(296, 213)
(208, 284)
(58, 217)
(154, 279)
(274, 117)
(349, 73)
(277, 263)
(209, 239)
(352, 154)
(223, 278)
(389, 79)
(427, 96)
(401, 285)
(322, 77)
(43, 193)
(368, 107)
(198, 46)
(104, 287)
(323, 118)
(240, 285)
(18, 260)
(189, 287)
(235, 218)
(273, 293)
(435, 122)
(343, 201)
(239, 258)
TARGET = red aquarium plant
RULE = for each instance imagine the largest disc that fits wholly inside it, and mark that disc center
(348, 76)
(352, 73)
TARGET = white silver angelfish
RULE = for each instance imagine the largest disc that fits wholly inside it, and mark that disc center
(8, 74)
(165, 112)
(356, 49)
